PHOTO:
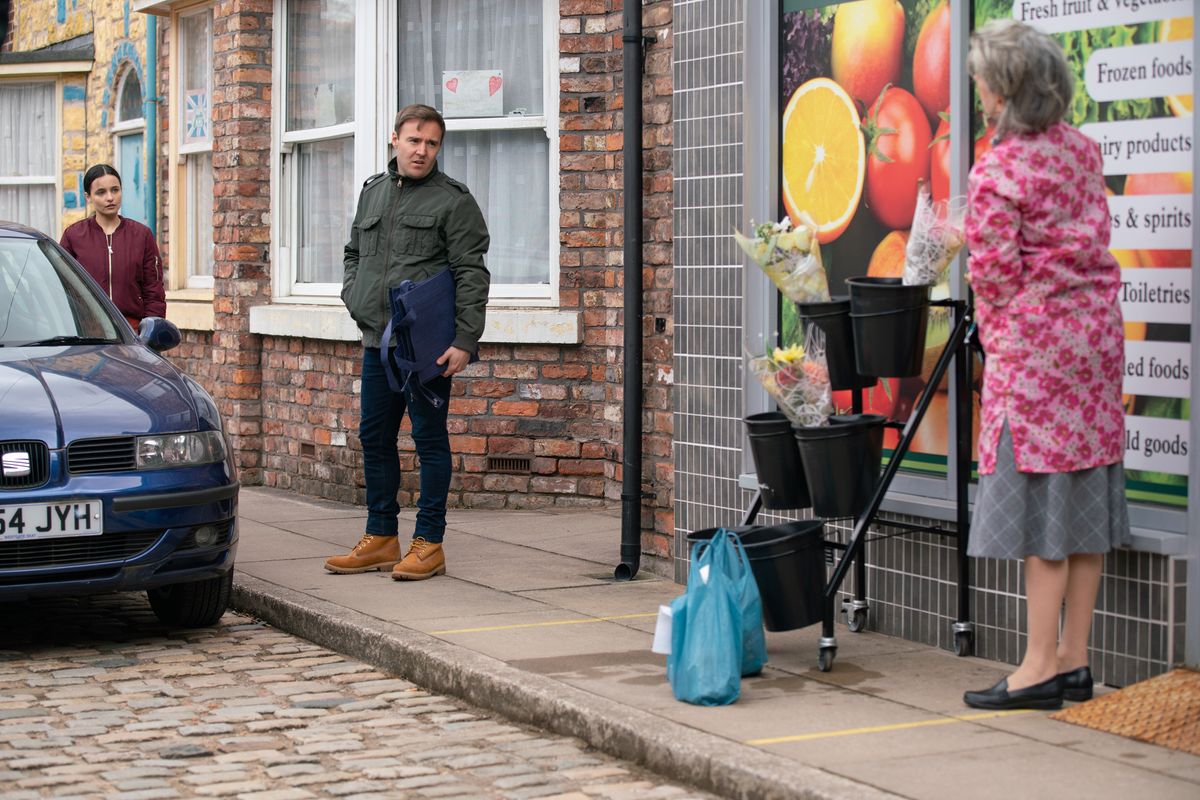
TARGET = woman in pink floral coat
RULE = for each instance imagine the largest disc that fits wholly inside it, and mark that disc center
(1051, 439)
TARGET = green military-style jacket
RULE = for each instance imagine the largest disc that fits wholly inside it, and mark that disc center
(411, 230)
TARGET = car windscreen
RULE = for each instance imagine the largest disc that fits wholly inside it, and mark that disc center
(45, 300)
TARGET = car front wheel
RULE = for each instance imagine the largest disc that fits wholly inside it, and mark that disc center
(192, 605)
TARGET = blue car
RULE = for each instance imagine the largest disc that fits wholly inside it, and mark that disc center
(115, 473)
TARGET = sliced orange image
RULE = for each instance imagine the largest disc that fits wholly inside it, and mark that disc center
(824, 157)
(1177, 30)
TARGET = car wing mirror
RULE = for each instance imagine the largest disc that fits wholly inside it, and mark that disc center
(158, 334)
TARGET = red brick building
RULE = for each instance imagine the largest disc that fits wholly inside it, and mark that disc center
(300, 95)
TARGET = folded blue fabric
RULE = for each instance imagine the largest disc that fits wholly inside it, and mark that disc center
(422, 320)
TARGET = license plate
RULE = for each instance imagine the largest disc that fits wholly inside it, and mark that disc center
(51, 520)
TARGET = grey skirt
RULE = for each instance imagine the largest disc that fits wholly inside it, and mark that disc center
(1049, 515)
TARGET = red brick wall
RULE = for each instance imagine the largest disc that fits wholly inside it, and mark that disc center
(165, 126)
(241, 182)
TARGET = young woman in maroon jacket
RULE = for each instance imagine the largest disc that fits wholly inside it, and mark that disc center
(119, 253)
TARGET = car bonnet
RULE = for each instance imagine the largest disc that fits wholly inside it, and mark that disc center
(60, 394)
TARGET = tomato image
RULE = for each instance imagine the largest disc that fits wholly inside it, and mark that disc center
(984, 142)
(931, 62)
(868, 37)
(939, 158)
(898, 139)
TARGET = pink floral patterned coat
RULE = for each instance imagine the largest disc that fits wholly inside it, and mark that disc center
(1047, 303)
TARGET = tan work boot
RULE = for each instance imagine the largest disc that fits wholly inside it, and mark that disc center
(423, 560)
(371, 552)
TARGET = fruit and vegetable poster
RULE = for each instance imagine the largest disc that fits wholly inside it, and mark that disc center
(865, 118)
(1134, 82)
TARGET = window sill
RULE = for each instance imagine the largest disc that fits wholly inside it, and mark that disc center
(504, 325)
(191, 309)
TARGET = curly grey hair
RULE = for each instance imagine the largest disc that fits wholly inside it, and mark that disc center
(1027, 69)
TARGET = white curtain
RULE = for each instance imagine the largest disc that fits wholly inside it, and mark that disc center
(200, 215)
(325, 193)
(320, 63)
(507, 170)
(27, 144)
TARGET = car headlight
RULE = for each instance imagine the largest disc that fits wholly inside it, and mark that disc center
(180, 449)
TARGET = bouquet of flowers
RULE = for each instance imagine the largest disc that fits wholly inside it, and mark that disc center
(790, 256)
(797, 379)
(935, 239)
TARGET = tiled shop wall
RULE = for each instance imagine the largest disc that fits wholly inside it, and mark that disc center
(911, 579)
(708, 270)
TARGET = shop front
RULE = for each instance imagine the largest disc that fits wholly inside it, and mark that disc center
(750, 83)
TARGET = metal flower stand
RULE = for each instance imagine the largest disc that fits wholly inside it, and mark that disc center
(958, 349)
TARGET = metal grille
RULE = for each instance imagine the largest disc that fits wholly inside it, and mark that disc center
(515, 464)
(101, 455)
(74, 550)
(31, 458)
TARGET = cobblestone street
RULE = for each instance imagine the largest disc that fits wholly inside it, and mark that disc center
(99, 700)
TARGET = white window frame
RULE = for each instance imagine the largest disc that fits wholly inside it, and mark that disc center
(54, 180)
(301, 311)
(125, 127)
(369, 40)
(183, 173)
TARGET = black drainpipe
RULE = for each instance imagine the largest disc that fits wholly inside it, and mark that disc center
(633, 45)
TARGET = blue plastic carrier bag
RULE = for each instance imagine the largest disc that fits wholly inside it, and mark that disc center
(705, 664)
(754, 640)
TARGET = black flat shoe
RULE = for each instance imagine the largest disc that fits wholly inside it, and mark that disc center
(1077, 684)
(1045, 695)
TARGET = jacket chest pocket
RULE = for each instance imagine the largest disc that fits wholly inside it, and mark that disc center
(368, 236)
(418, 235)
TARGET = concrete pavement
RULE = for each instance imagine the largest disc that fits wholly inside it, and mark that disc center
(529, 623)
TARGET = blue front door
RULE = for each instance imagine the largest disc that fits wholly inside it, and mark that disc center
(133, 176)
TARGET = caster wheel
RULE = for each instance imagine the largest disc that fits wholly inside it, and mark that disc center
(825, 659)
(858, 620)
(964, 644)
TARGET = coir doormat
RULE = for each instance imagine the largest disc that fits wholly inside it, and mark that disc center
(1164, 711)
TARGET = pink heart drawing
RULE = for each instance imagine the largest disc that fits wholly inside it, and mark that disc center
(452, 84)
(494, 84)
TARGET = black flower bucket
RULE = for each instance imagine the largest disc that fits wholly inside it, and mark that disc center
(841, 463)
(833, 319)
(890, 321)
(788, 562)
(777, 461)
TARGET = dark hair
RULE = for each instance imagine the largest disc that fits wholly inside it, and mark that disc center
(98, 171)
(420, 112)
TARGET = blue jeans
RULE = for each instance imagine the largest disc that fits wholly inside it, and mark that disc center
(382, 412)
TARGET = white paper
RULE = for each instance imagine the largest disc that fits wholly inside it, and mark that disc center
(473, 93)
(662, 632)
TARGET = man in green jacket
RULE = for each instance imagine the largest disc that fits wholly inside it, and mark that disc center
(412, 222)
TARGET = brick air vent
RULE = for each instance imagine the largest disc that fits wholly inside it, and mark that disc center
(519, 465)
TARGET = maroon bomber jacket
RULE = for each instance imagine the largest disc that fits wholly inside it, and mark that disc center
(133, 278)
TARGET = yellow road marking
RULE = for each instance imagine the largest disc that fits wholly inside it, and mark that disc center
(544, 624)
(900, 726)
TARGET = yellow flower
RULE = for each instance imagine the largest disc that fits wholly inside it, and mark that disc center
(791, 354)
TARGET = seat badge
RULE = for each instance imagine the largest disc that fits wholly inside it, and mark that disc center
(15, 465)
